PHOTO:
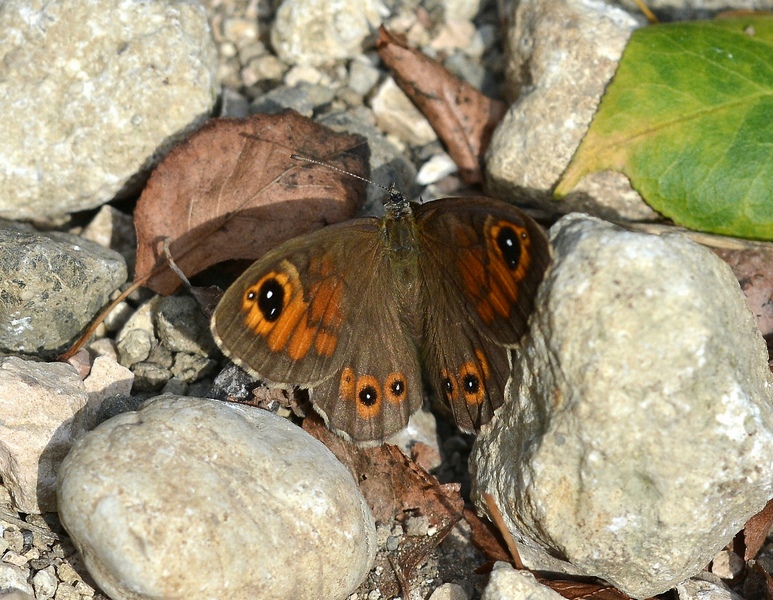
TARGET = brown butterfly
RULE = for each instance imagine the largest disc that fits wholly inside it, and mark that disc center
(356, 311)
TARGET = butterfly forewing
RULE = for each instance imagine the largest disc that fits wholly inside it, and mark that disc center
(317, 312)
(490, 253)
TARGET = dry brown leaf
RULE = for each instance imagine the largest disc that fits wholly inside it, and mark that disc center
(395, 487)
(486, 537)
(756, 530)
(232, 191)
(580, 590)
(463, 118)
(391, 482)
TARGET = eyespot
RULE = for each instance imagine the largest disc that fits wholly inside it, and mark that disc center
(395, 388)
(368, 395)
(448, 384)
(270, 297)
(471, 384)
(509, 245)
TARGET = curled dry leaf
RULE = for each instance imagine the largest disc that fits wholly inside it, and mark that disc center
(463, 118)
(232, 191)
(486, 537)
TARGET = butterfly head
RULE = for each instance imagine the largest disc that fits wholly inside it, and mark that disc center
(396, 205)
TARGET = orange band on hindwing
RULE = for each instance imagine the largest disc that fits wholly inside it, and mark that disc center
(468, 383)
(367, 392)
(276, 309)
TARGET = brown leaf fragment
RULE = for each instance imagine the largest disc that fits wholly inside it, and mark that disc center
(391, 482)
(486, 537)
(756, 530)
(580, 590)
(395, 488)
(233, 191)
(463, 118)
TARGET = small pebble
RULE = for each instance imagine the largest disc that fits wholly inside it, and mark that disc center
(727, 565)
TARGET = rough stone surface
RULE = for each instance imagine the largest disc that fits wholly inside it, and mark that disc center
(41, 406)
(562, 54)
(506, 583)
(106, 380)
(51, 286)
(639, 433)
(182, 327)
(319, 32)
(94, 92)
(705, 588)
(397, 115)
(281, 516)
(449, 591)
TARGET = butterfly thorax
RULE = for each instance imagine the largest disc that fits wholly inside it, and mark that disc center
(399, 226)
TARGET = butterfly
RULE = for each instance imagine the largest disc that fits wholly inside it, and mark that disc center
(357, 311)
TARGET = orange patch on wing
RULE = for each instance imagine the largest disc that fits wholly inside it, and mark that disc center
(347, 385)
(302, 338)
(325, 304)
(283, 328)
(483, 363)
(396, 388)
(300, 325)
(325, 343)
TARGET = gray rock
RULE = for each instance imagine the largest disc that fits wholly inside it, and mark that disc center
(51, 286)
(42, 412)
(13, 583)
(363, 75)
(639, 431)
(506, 583)
(192, 367)
(107, 379)
(182, 327)
(318, 32)
(557, 74)
(113, 229)
(305, 98)
(398, 116)
(705, 587)
(93, 94)
(281, 517)
(150, 376)
(134, 347)
(449, 591)
(44, 583)
(701, 9)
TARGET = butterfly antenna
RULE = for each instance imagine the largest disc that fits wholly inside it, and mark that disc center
(396, 197)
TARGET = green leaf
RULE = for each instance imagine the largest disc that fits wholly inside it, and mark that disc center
(689, 119)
